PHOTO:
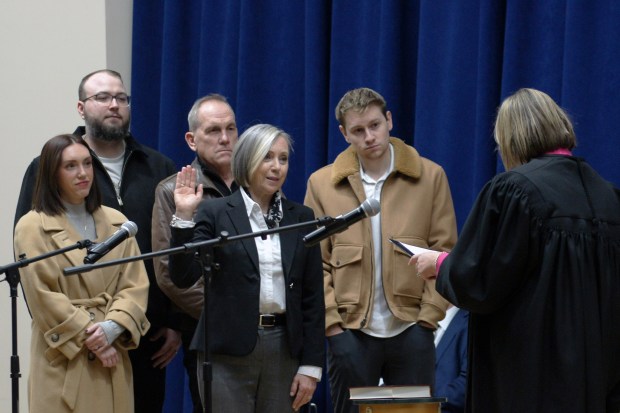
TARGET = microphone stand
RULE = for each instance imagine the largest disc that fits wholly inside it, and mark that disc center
(13, 279)
(205, 254)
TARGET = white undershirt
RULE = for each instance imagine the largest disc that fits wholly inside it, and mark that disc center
(382, 322)
(114, 166)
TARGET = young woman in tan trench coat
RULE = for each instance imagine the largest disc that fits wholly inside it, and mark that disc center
(82, 325)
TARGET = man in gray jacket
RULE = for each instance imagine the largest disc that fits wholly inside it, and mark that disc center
(212, 135)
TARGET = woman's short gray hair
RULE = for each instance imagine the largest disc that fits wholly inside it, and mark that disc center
(252, 147)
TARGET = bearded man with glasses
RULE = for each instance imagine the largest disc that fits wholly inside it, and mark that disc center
(127, 174)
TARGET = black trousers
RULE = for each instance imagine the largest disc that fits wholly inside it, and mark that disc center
(357, 359)
(149, 383)
(190, 361)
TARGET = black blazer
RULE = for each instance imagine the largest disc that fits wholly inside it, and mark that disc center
(233, 301)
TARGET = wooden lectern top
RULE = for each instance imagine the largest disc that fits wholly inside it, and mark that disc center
(401, 405)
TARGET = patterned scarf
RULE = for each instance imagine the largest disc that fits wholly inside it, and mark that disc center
(274, 213)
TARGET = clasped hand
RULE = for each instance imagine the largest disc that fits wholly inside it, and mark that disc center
(97, 342)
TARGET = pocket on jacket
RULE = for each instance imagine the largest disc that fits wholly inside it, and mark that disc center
(346, 263)
(404, 280)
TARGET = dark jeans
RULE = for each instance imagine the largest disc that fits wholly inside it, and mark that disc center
(357, 359)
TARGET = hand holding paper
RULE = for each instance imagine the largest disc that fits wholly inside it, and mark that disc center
(425, 260)
(410, 250)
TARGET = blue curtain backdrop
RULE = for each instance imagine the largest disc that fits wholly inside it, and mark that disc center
(443, 67)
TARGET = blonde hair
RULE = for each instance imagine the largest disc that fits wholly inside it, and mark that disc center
(359, 100)
(251, 149)
(529, 123)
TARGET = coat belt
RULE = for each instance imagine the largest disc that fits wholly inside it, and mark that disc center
(76, 365)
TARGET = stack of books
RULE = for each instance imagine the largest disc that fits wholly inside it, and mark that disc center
(389, 392)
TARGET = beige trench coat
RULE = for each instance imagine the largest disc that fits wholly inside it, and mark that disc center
(64, 375)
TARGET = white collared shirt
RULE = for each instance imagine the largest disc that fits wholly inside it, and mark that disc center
(382, 322)
(272, 284)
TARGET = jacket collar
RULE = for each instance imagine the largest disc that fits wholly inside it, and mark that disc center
(407, 161)
(61, 222)
(131, 144)
(239, 217)
(288, 239)
(205, 174)
(64, 235)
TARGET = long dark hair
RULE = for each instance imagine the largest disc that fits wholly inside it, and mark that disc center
(46, 197)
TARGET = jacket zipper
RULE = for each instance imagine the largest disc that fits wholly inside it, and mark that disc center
(372, 290)
(372, 285)
(120, 181)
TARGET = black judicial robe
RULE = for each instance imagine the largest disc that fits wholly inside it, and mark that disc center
(538, 266)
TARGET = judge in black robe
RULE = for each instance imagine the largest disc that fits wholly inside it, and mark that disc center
(538, 266)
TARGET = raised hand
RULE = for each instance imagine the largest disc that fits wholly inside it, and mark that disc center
(187, 195)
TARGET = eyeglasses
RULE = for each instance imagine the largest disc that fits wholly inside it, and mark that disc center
(106, 99)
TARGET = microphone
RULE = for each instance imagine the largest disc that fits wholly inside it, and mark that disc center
(127, 230)
(368, 208)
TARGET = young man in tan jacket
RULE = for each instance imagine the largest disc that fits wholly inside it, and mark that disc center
(380, 317)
